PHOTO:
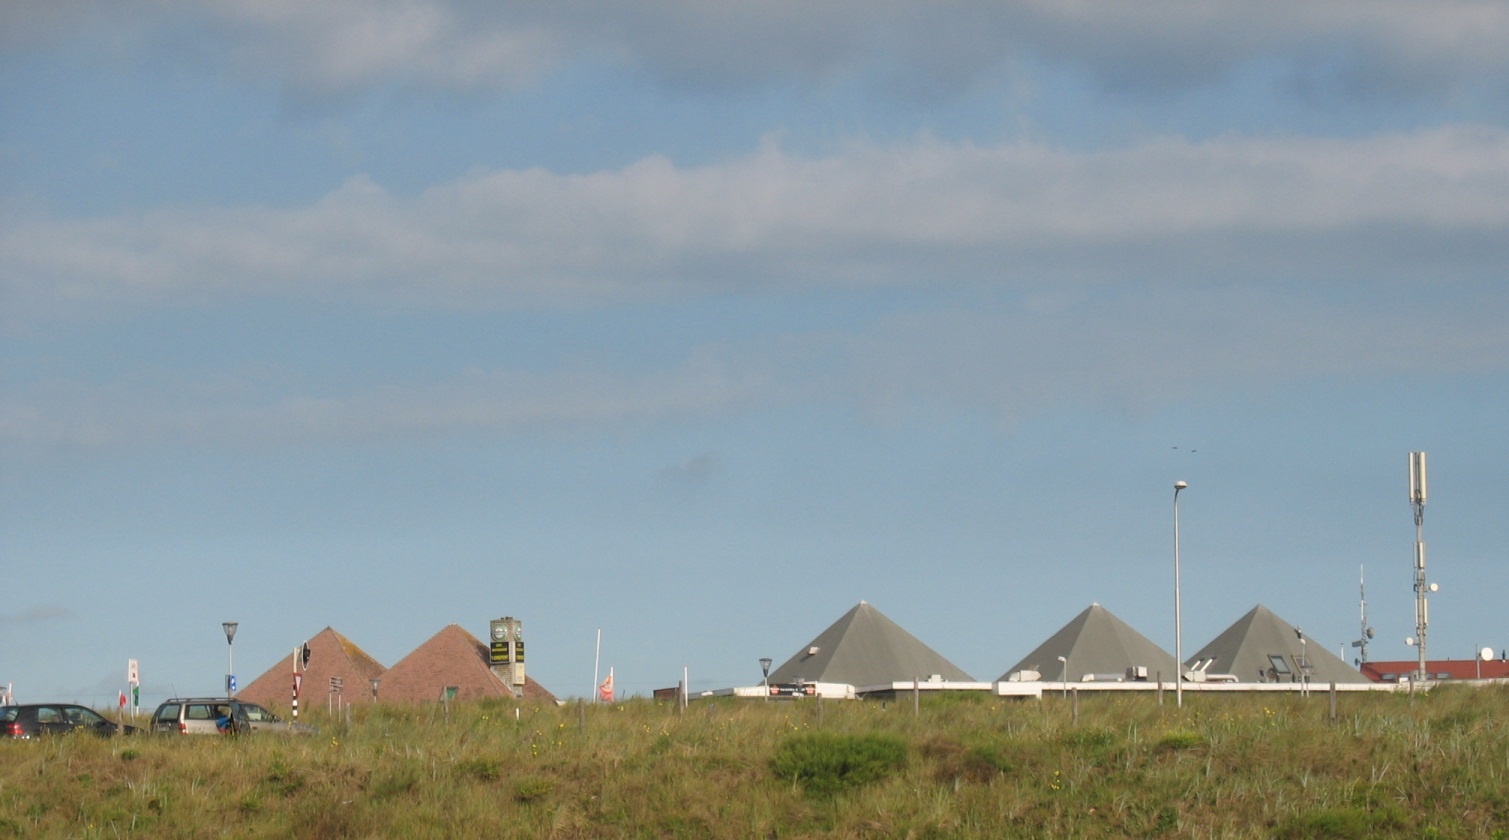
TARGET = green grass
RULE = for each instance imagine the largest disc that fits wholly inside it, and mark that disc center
(1230, 765)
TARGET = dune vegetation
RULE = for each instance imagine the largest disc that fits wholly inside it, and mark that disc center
(1233, 765)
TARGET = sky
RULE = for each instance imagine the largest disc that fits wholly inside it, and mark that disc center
(696, 323)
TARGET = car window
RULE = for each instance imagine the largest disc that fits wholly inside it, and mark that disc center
(47, 714)
(9, 713)
(199, 711)
(167, 711)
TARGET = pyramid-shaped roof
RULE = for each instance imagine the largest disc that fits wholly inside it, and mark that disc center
(330, 655)
(451, 658)
(1096, 642)
(864, 648)
(1261, 647)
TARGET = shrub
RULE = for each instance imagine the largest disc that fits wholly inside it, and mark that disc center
(1180, 739)
(1339, 823)
(531, 788)
(826, 763)
(481, 769)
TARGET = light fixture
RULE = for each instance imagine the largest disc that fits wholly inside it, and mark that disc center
(230, 657)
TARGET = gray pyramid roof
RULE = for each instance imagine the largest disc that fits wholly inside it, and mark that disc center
(865, 648)
(1096, 642)
(1246, 648)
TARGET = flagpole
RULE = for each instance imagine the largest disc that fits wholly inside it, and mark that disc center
(596, 662)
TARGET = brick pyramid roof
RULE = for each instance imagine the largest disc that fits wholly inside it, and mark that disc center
(330, 655)
(864, 648)
(452, 657)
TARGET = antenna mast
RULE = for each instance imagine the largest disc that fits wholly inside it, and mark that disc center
(1422, 612)
(1367, 632)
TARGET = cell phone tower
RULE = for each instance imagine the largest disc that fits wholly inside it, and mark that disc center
(1367, 632)
(1422, 611)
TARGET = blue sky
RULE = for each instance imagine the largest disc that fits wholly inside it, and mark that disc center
(701, 322)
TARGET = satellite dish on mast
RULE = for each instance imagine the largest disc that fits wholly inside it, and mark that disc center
(1486, 653)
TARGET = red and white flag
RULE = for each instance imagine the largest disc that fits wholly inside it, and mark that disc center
(605, 691)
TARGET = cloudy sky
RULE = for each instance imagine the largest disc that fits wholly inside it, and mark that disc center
(699, 322)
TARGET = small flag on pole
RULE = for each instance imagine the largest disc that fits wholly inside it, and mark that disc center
(605, 691)
(123, 699)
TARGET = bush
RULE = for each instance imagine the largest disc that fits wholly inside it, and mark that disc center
(1339, 823)
(1180, 739)
(481, 769)
(531, 788)
(826, 763)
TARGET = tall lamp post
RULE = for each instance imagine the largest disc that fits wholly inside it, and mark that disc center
(230, 658)
(1178, 609)
(765, 680)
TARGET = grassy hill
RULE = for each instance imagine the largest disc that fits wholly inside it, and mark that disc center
(1433, 765)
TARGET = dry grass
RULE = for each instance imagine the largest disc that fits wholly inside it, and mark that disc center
(1224, 766)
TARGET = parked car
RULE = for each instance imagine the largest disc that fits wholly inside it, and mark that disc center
(220, 716)
(33, 720)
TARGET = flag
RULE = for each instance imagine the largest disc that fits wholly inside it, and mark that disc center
(605, 691)
(123, 699)
(136, 697)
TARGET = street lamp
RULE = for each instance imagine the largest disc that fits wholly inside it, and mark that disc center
(230, 658)
(1063, 674)
(1178, 613)
(765, 680)
(1304, 663)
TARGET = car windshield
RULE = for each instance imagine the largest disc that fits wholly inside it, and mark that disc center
(259, 714)
(9, 713)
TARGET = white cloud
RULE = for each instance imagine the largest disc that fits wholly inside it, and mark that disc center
(918, 214)
(332, 47)
(273, 408)
(1012, 359)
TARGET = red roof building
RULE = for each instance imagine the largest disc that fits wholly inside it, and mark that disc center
(453, 663)
(1438, 669)
(331, 656)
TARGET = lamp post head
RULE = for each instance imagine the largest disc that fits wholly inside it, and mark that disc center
(230, 631)
(1179, 485)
